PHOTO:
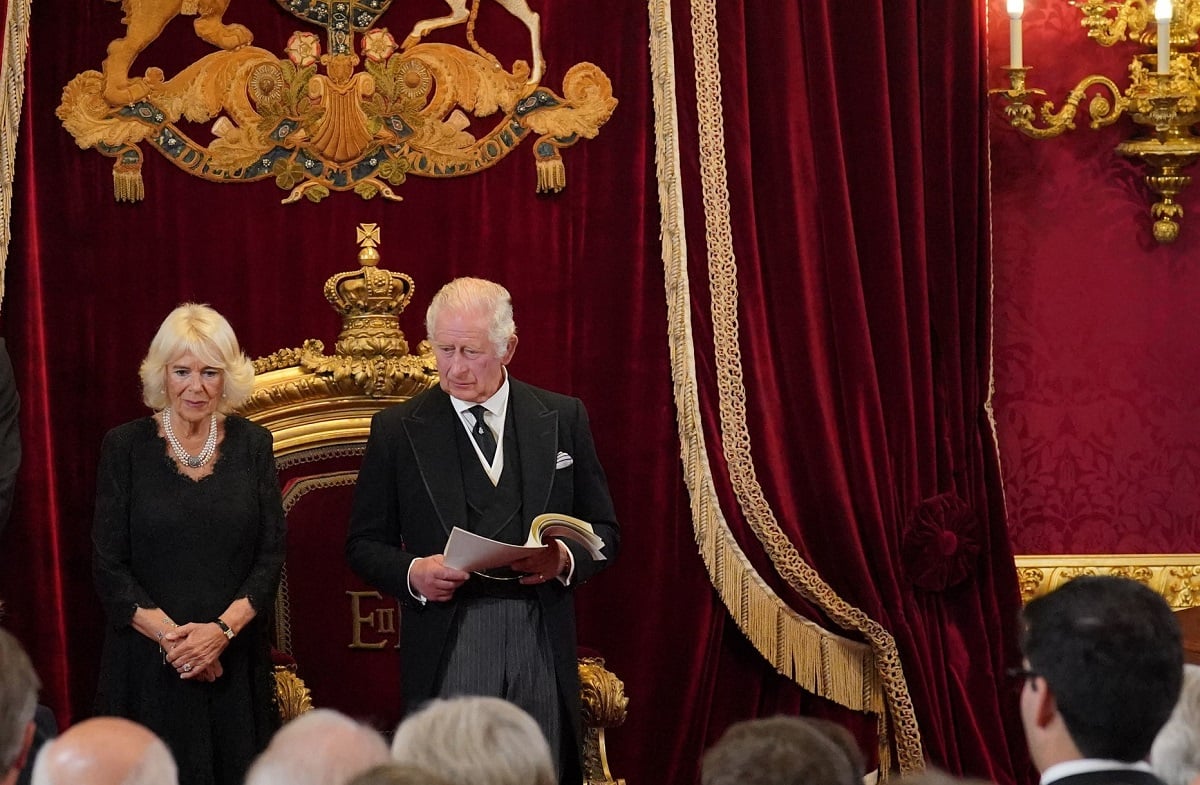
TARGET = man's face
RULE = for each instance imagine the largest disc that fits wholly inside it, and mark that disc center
(466, 359)
(1033, 696)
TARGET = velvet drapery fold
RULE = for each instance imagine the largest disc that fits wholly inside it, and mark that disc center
(857, 208)
(886, 405)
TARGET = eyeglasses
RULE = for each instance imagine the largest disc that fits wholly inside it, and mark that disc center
(1024, 674)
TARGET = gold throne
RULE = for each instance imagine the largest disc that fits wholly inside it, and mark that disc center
(339, 632)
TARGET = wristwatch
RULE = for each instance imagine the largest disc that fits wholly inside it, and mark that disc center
(228, 633)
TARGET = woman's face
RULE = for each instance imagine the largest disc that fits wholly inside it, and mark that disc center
(194, 389)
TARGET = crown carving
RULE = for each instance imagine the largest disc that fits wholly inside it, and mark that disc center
(370, 301)
(371, 355)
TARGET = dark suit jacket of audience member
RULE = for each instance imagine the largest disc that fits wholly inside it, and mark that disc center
(1111, 777)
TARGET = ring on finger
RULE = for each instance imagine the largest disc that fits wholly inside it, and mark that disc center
(187, 667)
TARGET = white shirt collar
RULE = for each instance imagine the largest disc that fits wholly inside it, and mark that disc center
(496, 405)
(1070, 768)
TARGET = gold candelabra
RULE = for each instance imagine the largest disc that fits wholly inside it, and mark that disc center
(1162, 97)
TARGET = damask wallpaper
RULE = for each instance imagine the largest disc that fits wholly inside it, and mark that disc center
(1097, 358)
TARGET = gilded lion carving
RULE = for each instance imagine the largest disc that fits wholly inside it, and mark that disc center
(144, 21)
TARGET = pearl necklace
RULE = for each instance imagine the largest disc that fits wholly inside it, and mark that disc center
(206, 453)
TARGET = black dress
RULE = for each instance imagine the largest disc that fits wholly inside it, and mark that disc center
(163, 540)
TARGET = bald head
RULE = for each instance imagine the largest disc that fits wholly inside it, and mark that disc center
(105, 751)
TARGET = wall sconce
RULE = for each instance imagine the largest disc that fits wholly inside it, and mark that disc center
(1163, 97)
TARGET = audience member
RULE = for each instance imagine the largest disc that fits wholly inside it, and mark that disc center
(395, 773)
(476, 740)
(935, 776)
(45, 727)
(777, 750)
(105, 751)
(1102, 671)
(1175, 756)
(18, 700)
(320, 747)
(846, 742)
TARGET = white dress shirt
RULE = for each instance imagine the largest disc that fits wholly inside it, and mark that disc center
(496, 410)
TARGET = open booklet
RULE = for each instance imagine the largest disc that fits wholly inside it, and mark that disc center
(467, 551)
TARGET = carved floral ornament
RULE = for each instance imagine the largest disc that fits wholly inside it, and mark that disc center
(317, 122)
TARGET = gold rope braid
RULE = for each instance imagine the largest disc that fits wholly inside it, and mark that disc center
(12, 90)
(817, 659)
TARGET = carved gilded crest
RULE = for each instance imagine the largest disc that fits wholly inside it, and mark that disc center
(353, 111)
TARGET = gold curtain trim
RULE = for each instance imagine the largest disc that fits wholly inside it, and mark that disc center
(12, 84)
(864, 677)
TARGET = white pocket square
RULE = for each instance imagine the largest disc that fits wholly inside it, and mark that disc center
(563, 461)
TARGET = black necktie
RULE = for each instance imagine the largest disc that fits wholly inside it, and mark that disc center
(483, 434)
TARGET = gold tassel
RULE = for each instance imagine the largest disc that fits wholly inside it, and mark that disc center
(127, 182)
(551, 174)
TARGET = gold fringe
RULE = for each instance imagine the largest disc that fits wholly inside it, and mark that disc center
(551, 175)
(127, 182)
(864, 677)
(12, 93)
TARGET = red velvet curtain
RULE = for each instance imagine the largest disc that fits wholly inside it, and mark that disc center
(858, 190)
(857, 174)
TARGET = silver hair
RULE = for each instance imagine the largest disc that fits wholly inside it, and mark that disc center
(475, 740)
(475, 295)
(18, 698)
(198, 329)
(320, 747)
(1175, 755)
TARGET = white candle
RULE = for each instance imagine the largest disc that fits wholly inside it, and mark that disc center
(1015, 9)
(1162, 14)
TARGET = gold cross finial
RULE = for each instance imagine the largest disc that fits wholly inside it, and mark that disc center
(368, 235)
(368, 238)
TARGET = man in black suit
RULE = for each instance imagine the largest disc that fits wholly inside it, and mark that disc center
(1103, 668)
(487, 453)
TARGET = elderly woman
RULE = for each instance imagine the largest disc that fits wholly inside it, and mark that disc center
(188, 544)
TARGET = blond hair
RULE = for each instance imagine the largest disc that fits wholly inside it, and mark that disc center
(198, 329)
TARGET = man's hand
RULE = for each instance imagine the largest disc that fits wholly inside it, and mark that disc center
(433, 580)
(545, 564)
